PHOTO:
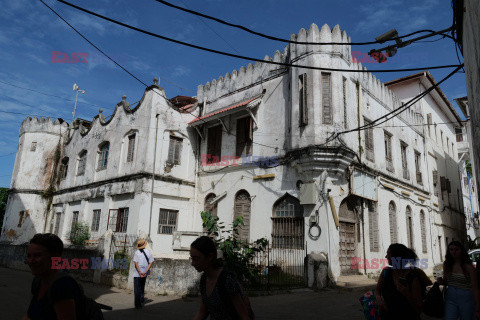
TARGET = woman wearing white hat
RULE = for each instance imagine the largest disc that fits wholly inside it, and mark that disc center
(143, 260)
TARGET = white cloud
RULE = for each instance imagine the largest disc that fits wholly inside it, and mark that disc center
(180, 71)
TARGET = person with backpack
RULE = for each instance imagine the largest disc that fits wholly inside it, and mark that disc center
(401, 287)
(54, 296)
(143, 260)
(462, 297)
(222, 295)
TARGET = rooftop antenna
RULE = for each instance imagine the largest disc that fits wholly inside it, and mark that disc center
(76, 88)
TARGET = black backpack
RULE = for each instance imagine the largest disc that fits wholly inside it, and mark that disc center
(433, 305)
(222, 278)
(87, 308)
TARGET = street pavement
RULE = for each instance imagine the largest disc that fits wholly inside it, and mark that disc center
(298, 304)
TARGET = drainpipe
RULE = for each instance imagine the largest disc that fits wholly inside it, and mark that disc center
(197, 157)
(153, 175)
(359, 111)
(470, 195)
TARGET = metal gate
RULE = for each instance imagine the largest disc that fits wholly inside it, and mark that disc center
(278, 268)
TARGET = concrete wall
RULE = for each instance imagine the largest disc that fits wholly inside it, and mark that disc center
(471, 55)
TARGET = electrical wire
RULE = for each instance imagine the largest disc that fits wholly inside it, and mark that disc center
(47, 94)
(401, 109)
(235, 55)
(280, 39)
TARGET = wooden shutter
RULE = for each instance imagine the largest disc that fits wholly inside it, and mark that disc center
(214, 143)
(171, 150)
(423, 231)
(302, 99)
(326, 99)
(393, 222)
(443, 184)
(131, 147)
(373, 227)
(244, 136)
(408, 215)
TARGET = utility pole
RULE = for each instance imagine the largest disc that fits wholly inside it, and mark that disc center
(76, 88)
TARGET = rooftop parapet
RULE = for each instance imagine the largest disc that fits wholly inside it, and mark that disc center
(45, 125)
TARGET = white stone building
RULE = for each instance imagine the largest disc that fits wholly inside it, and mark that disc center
(303, 189)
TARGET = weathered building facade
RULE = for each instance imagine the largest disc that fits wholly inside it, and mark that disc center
(271, 144)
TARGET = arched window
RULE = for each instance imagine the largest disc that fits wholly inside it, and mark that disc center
(423, 227)
(211, 207)
(408, 215)
(288, 224)
(103, 155)
(392, 214)
(64, 168)
(82, 163)
(242, 208)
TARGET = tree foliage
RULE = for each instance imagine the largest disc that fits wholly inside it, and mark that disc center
(237, 254)
(79, 234)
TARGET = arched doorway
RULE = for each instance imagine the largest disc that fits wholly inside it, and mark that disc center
(348, 228)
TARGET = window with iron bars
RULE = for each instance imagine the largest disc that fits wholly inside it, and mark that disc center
(288, 225)
(103, 156)
(96, 220)
(167, 221)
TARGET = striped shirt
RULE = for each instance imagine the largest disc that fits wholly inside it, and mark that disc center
(459, 281)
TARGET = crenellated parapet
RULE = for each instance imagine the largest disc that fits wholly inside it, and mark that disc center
(379, 90)
(314, 35)
(260, 71)
(45, 125)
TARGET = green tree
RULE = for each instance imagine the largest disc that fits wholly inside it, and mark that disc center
(79, 234)
(3, 204)
(237, 254)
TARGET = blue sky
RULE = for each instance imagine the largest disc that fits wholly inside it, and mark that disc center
(29, 32)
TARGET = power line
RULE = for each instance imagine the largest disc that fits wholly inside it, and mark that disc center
(401, 109)
(236, 55)
(4, 155)
(213, 30)
(47, 94)
(328, 140)
(280, 39)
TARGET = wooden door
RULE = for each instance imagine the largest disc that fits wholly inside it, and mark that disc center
(347, 247)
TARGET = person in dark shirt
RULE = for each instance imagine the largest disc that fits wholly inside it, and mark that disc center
(222, 296)
(401, 289)
(54, 295)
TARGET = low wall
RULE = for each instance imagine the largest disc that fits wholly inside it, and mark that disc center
(14, 256)
(172, 276)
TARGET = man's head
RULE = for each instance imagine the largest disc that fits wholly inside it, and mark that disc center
(141, 244)
(43, 246)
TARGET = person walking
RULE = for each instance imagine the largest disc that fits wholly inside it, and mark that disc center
(401, 288)
(460, 277)
(54, 295)
(222, 296)
(143, 260)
